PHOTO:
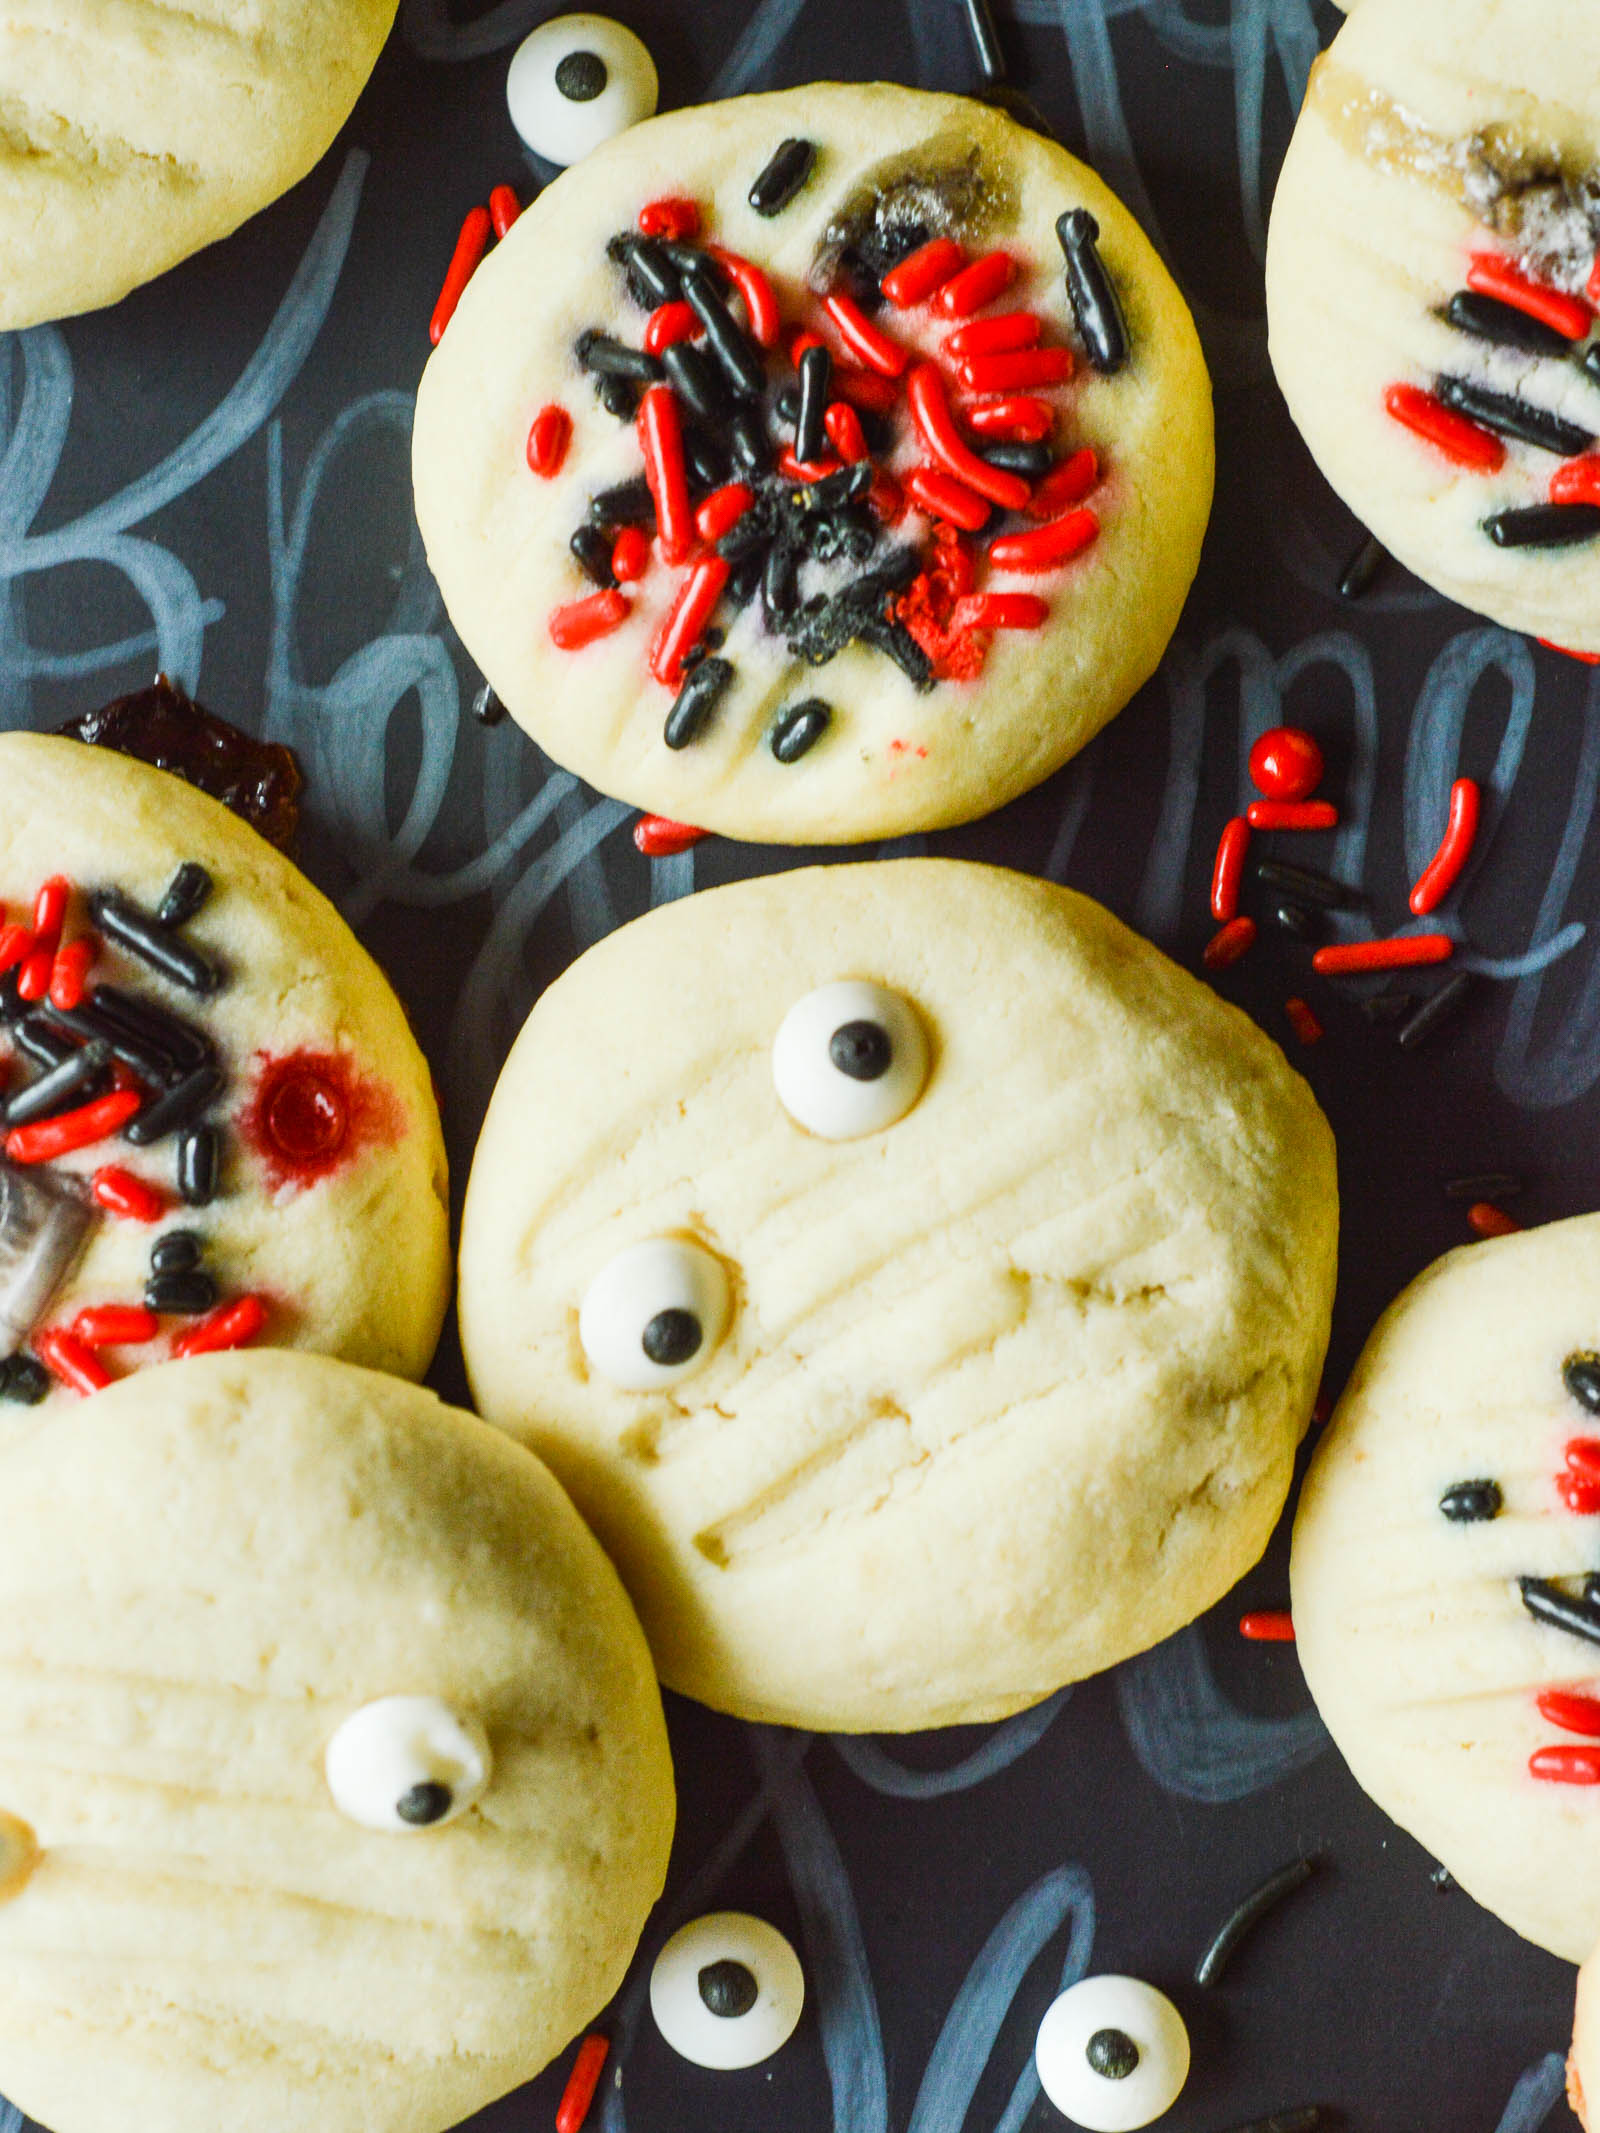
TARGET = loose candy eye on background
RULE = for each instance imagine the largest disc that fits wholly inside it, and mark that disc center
(653, 1315)
(577, 81)
(1112, 2054)
(849, 1059)
(407, 1763)
(727, 1990)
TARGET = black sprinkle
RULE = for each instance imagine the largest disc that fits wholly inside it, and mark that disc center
(23, 1380)
(180, 1295)
(705, 462)
(695, 379)
(1245, 1916)
(186, 895)
(12, 1005)
(1443, 1880)
(425, 1803)
(672, 1337)
(1487, 319)
(487, 708)
(619, 397)
(1437, 1012)
(787, 405)
(816, 379)
(653, 273)
(153, 1063)
(1591, 361)
(199, 1165)
(1511, 417)
(603, 357)
(115, 1010)
(1360, 574)
(179, 1107)
(697, 699)
(780, 586)
(1095, 304)
(178, 1252)
(1382, 1008)
(61, 1088)
(1549, 1604)
(859, 611)
(1112, 2054)
(745, 582)
(1484, 1185)
(1544, 526)
(689, 259)
(985, 40)
(728, 1989)
(40, 1044)
(121, 921)
(741, 363)
(799, 729)
(581, 77)
(1471, 1503)
(1303, 921)
(593, 552)
(1580, 1374)
(1309, 886)
(751, 446)
(1029, 460)
(628, 504)
(791, 165)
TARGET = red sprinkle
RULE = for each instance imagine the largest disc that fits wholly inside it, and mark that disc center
(470, 248)
(231, 1325)
(1292, 815)
(1461, 441)
(942, 496)
(47, 1138)
(930, 411)
(121, 1193)
(1286, 764)
(50, 911)
(1575, 481)
(1227, 875)
(863, 339)
(1396, 954)
(886, 499)
(70, 968)
(1018, 370)
(630, 555)
(994, 336)
(1569, 1710)
(1491, 274)
(722, 509)
(1236, 938)
(548, 439)
(582, 2082)
(1303, 1021)
(504, 208)
(659, 838)
(661, 440)
(16, 944)
(1566, 1766)
(33, 979)
(976, 286)
(1443, 870)
(69, 1361)
(1047, 546)
(687, 618)
(866, 388)
(761, 306)
(582, 622)
(1592, 287)
(922, 271)
(669, 324)
(1067, 483)
(845, 433)
(1583, 1457)
(115, 1326)
(1270, 1626)
(1022, 420)
(1580, 1497)
(1000, 611)
(1487, 1220)
(805, 469)
(678, 220)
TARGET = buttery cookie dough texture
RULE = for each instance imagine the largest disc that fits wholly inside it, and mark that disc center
(209, 1571)
(891, 759)
(1410, 1625)
(1434, 131)
(351, 1252)
(991, 1394)
(132, 132)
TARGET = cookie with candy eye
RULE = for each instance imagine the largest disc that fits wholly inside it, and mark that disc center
(335, 1788)
(577, 81)
(137, 135)
(844, 454)
(829, 1228)
(1442, 1566)
(1432, 295)
(217, 1129)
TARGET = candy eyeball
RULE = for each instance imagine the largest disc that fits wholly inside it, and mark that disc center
(407, 1763)
(849, 1059)
(576, 82)
(727, 1990)
(1112, 2054)
(19, 1854)
(654, 1314)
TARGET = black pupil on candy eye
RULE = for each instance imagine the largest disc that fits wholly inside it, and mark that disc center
(425, 1803)
(672, 1337)
(1581, 1375)
(861, 1050)
(1113, 2053)
(581, 77)
(1469, 1502)
(728, 1988)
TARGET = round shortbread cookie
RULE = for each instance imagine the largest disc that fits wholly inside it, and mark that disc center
(211, 1575)
(132, 132)
(920, 1421)
(931, 717)
(328, 1217)
(1429, 265)
(1451, 1498)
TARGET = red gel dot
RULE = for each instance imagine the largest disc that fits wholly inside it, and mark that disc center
(1286, 764)
(312, 1113)
(305, 1115)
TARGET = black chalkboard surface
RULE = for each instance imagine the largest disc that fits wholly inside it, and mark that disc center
(212, 478)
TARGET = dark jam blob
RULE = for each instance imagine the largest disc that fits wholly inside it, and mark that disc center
(728, 1989)
(311, 1113)
(259, 781)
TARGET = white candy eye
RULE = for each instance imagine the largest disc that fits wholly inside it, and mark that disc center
(576, 82)
(727, 1990)
(849, 1059)
(406, 1763)
(1112, 2054)
(19, 1854)
(654, 1314)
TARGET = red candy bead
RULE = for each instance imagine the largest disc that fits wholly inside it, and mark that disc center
(1286, 764)
(678, 220)
(305, 1116)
